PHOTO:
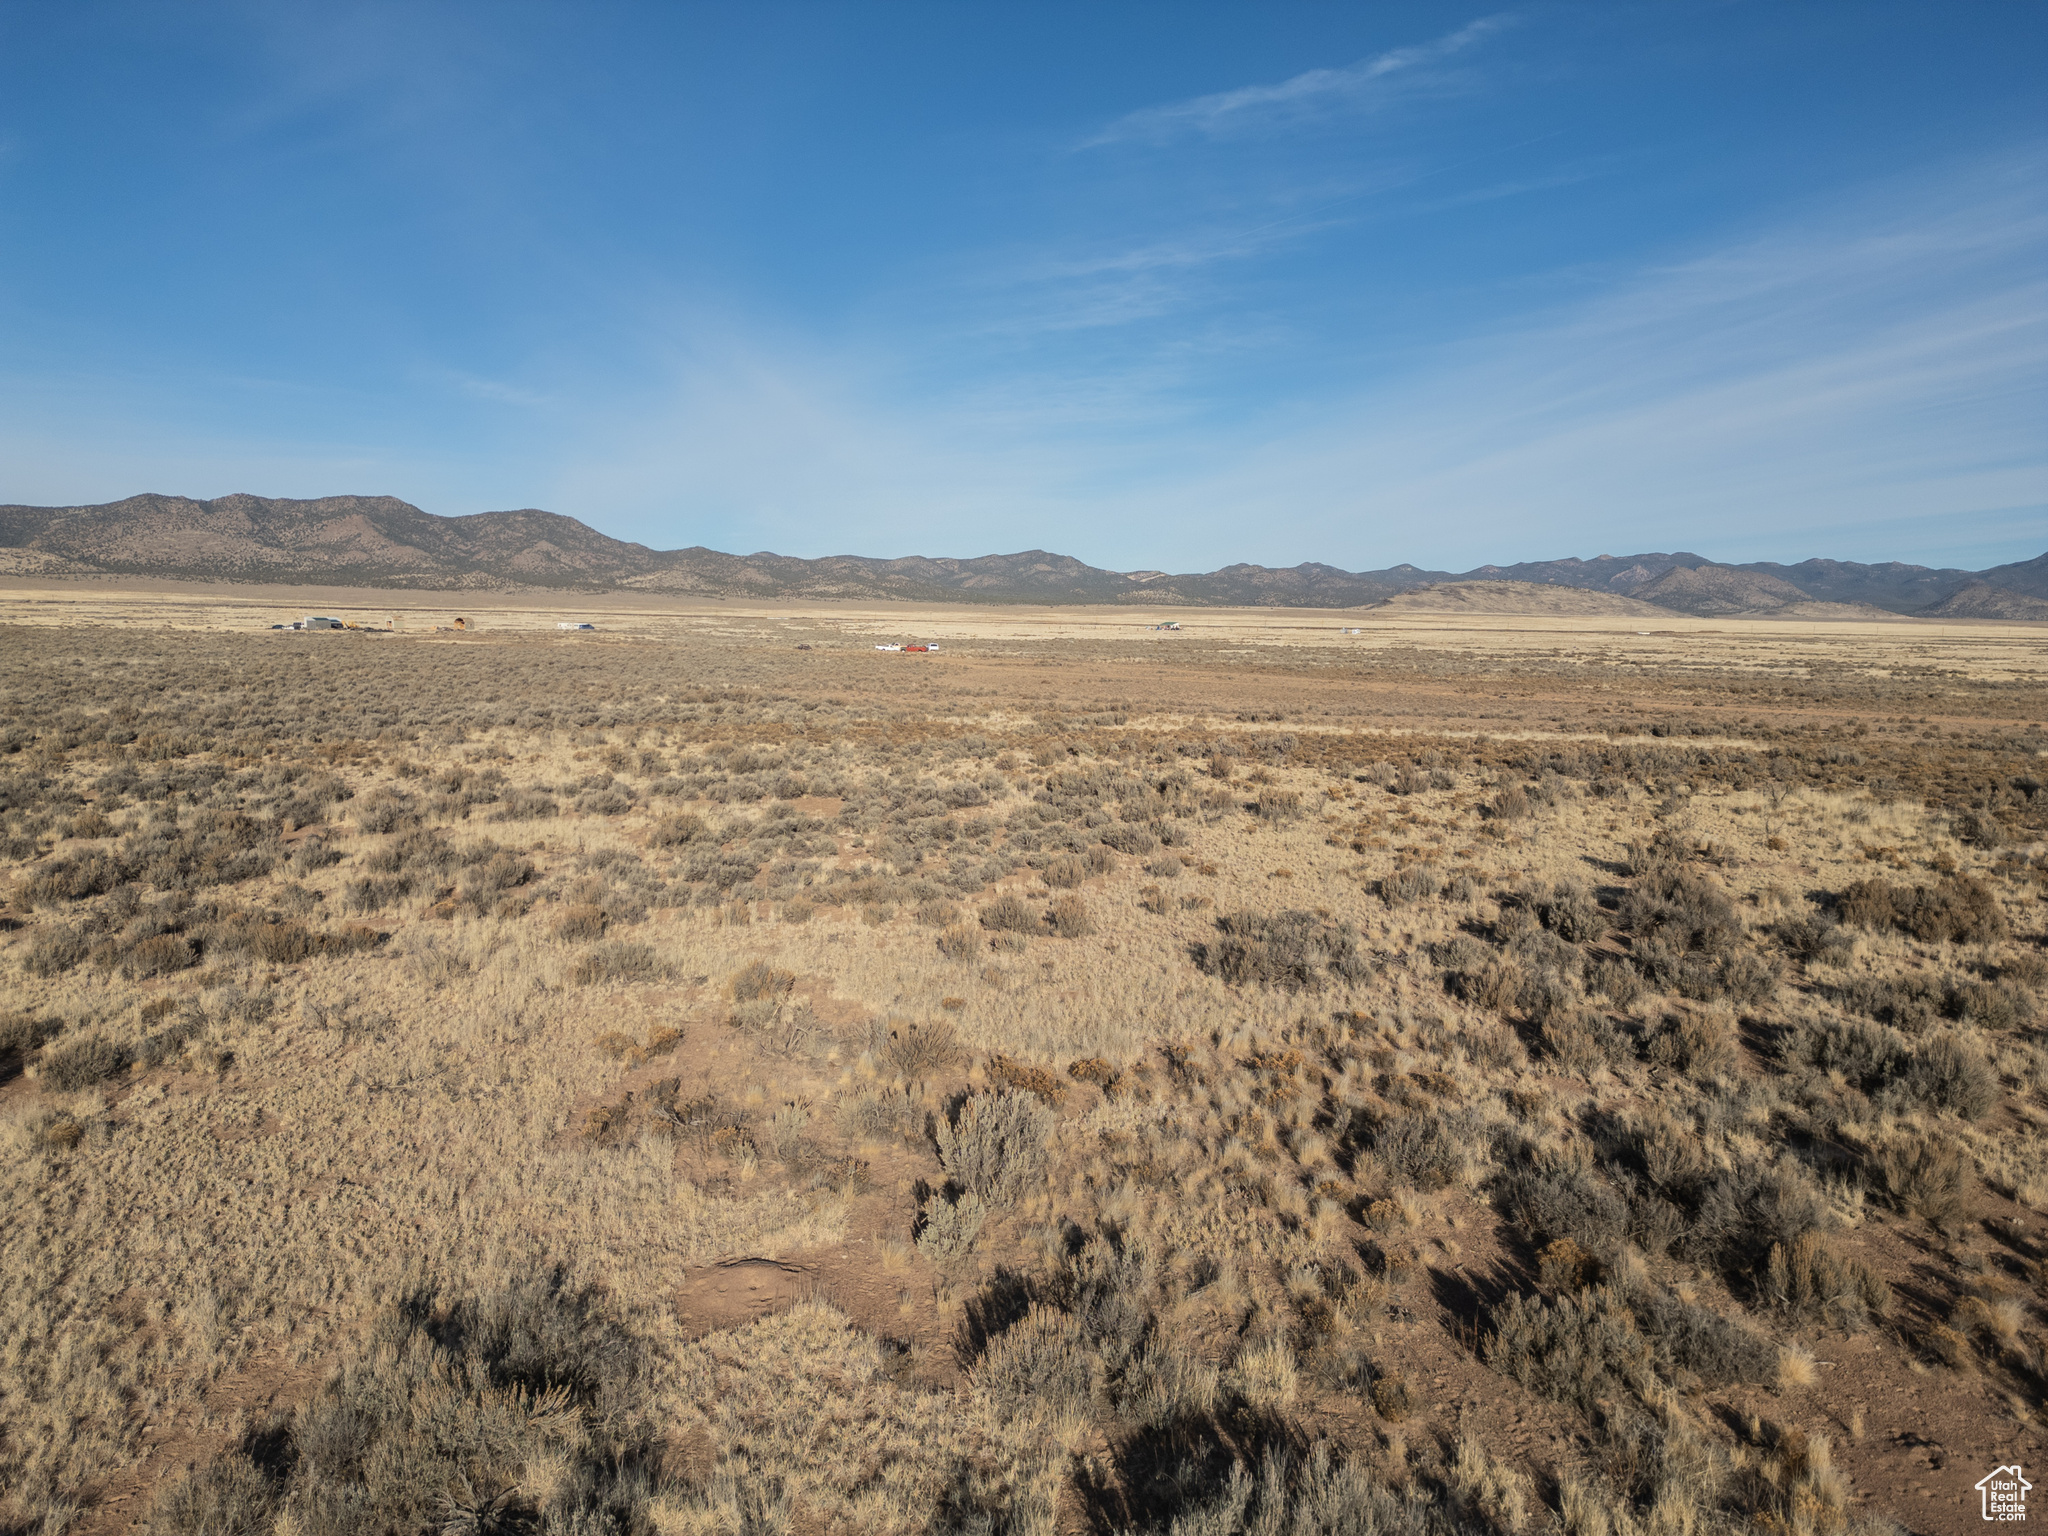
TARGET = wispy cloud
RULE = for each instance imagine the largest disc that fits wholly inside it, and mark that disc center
(1866, 381)
(1879, 370)
(496, 391)
(1313, 93)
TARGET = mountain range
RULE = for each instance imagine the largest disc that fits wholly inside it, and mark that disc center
(380, 541)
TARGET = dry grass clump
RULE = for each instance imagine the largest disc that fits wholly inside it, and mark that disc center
(919, 1051)
(1926, 1177)
(1813, 1278)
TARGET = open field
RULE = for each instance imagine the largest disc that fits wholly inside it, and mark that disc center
(1492, 1073)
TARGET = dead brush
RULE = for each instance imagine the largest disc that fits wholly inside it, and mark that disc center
(1010, 913)
(1007, 1072)
(1065, 873)
(1796, 1489)
(84, 1061)
(1100, 1071)
(1994, 1319)
(614, 962)
(761, 982)
(919, 1052)
(1564, 1268)
(22, 1034)
(1811, 1277)
(1392, 1399)
(1068, 918)
(1699, 1044)
(1927, 1178)
(583, 923)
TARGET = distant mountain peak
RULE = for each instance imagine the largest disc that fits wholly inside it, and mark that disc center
(383, 541)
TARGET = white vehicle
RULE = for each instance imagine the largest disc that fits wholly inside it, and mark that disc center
(888, 647)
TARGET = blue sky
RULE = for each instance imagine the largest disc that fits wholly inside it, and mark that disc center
(1161, 286)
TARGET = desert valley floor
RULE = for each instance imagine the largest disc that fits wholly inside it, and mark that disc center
(1490, 1072)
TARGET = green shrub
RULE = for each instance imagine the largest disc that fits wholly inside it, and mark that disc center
(1950, 1078)
(1511, 804)
(1571, 912)
(1581, 1039)
(375, 893)
(1127, 837)
(383, 811)
(1926, 1178)
(1957, 909)
(918, 1052)
(1574, 1348)
(21, 1033)
(1040, 1365)
(1809, 1278)
(761, 981)
(1561, 1200)
(994, 1144)
(72, 880)
(1685, 908)
(1581, 1348)
(82, 1062)
(613, 963)
(1697, 1043)
(55, 951)
(1065, 873)
(1418, 882)
(1010, 913)
(946, 1229)
(1617, 981)
(1289, 951)
(581, 924)
(437, 1427)
(1068, 918)
(1740, 1212)
(1426, 1152)
(1868, 1056)
(676, 831)
(227, 1497)
(159, 956)
(1812, 936)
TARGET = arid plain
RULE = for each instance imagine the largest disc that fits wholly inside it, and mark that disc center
(1492, 1072)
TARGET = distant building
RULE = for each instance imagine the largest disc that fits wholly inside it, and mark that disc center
(319, 621)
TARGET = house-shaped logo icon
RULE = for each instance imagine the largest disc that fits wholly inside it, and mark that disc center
(2005, 1494)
